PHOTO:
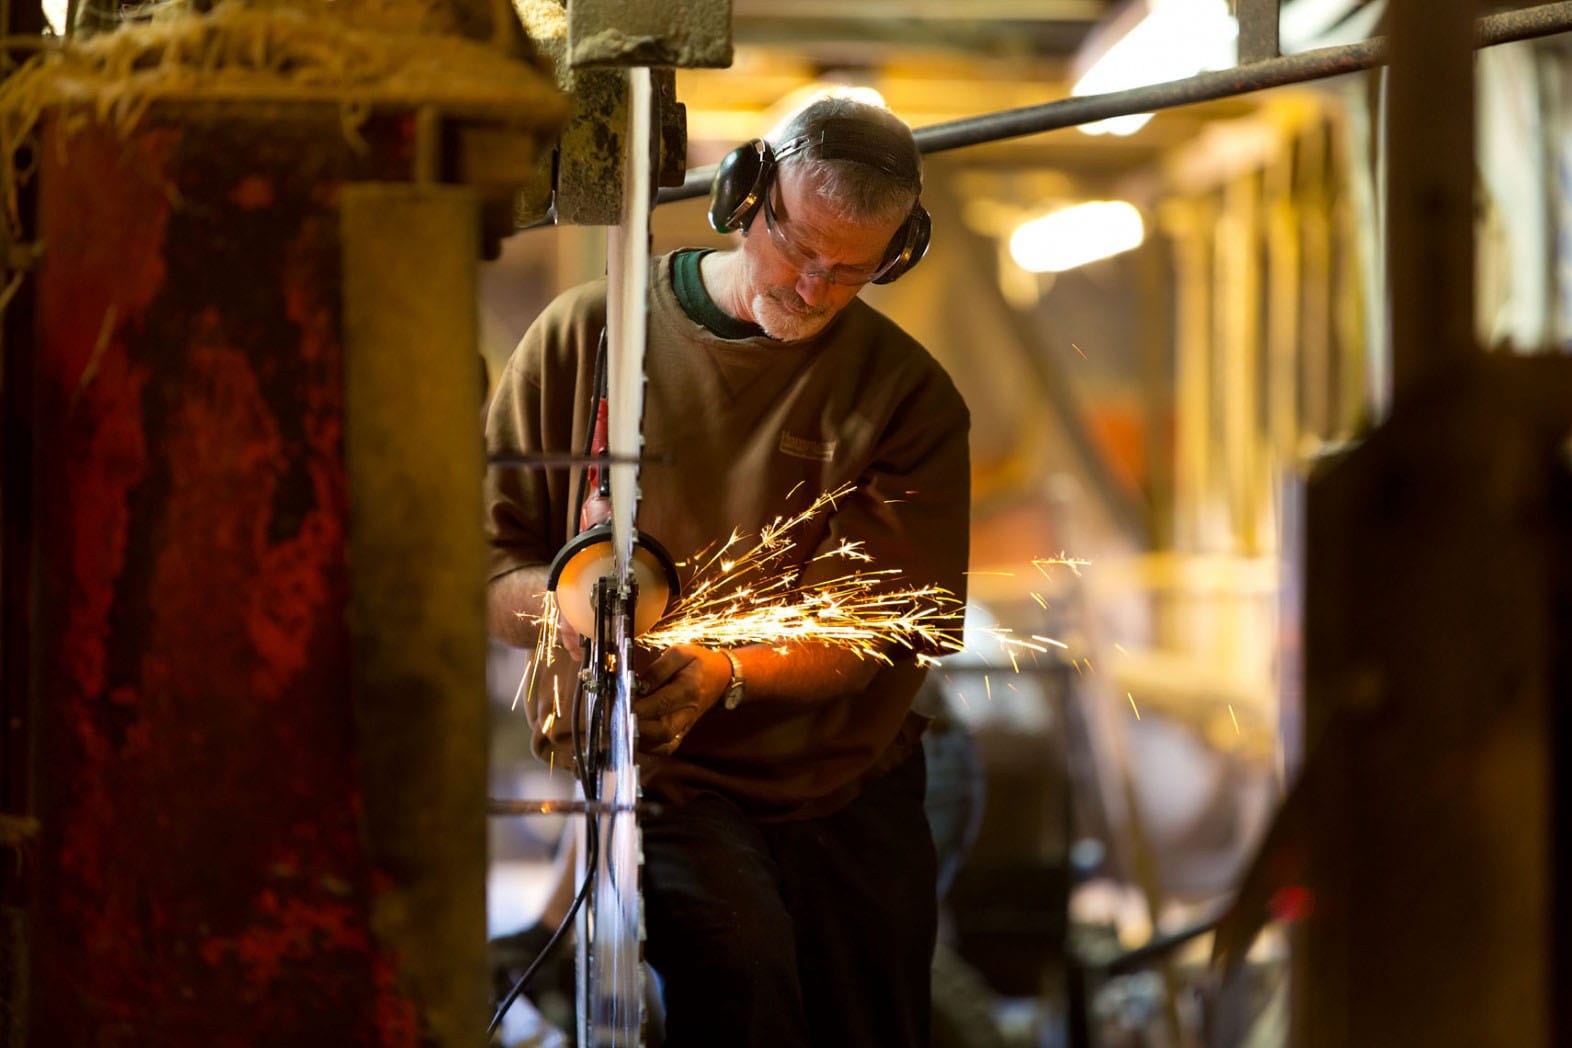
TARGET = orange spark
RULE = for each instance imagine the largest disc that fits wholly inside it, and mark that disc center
(1075, 564)
(755, 595)
(1132, 705)
(543, 655)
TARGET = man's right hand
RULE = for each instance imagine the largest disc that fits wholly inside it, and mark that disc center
(676, 690)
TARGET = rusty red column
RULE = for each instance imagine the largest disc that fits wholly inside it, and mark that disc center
(231, 761)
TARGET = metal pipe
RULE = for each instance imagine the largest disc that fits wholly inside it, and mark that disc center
(1429, 202)
(1319, 64)
(509, 806)
(550, 460)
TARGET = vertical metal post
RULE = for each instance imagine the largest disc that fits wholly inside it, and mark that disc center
(1239, 283)
(1430, 187)
(1258, 26)
(17, 826)
(1432, 620)
(415, 603)
(19, 21)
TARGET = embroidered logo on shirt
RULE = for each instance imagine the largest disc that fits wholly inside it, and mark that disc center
(803, 448)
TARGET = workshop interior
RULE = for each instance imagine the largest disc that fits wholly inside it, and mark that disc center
(1262, 310)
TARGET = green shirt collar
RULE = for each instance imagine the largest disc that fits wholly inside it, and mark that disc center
(695, 300)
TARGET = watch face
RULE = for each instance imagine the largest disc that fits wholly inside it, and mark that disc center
(734, 687)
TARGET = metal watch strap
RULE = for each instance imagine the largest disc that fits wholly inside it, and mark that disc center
(734, 687)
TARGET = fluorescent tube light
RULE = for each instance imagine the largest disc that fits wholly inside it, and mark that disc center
(1077, 235)
(1172, 40)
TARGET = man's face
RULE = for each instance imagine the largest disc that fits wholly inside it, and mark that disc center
(804, 262)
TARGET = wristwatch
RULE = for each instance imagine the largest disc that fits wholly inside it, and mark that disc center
(735, 688)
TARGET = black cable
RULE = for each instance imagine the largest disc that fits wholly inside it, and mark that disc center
(586, 775)
(587, 761)
(589, 770)
(593, 860)
(607, 709)
(576, 732)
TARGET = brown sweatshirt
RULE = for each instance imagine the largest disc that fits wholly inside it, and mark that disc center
(734, 427)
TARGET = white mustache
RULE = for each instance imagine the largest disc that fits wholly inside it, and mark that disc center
(794, 302)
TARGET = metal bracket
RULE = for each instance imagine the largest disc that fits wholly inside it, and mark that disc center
(691, 35)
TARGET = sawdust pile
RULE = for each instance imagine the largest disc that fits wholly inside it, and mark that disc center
(358, 52)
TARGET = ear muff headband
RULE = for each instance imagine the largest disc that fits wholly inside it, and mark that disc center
(746, 173)
(862, 143)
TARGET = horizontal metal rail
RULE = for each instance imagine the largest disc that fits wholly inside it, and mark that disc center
(1319, 64)
(553, 460)
(509, 806)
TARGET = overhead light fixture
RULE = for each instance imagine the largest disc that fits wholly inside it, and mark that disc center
(1152, 42)
(1077, 235)
(55, 15)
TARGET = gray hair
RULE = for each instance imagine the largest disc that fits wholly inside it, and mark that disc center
(857, 188)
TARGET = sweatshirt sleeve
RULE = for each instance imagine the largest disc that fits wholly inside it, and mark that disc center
(540, 405)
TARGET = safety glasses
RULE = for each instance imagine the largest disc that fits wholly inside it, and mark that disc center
(807, 265)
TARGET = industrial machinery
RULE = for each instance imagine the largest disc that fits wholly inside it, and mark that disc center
(241, 573)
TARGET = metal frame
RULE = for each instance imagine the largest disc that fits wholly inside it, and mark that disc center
(1319, 64)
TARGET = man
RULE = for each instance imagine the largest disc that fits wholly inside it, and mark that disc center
(789, 878)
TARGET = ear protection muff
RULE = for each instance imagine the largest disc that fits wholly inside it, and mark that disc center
(746, 173)
(741, 180)
(908, 245)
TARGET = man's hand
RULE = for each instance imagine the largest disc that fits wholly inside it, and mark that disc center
(676, 690)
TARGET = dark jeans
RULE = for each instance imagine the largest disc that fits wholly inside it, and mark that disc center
(818, 932)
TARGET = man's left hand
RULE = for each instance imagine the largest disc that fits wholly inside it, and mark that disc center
(676, 690)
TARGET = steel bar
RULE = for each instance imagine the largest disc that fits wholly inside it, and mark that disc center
(1258, 25)
(627, 317)
(1430, 202)
(415, 634)
(550, 459)
(504, 806)
(1319, 64)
